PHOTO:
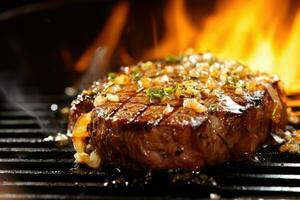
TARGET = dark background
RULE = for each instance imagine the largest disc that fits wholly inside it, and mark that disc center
(35, 36)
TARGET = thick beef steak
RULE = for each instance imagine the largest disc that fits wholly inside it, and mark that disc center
(187, 112)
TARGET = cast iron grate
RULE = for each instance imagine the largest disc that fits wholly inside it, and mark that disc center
(32, 168)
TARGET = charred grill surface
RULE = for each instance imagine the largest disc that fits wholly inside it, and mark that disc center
(32, 168)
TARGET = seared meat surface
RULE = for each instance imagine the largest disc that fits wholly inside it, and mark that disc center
(184, 112)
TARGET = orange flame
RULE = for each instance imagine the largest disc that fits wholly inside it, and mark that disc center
(108, 37)
(261, 33)
(179, 32)
(255, 32)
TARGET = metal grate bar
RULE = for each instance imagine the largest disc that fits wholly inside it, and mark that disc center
(32, 106)
(24, 114)
(26, 132)
(32, 168)
(24, 122)
(86, 196)
(36, 150)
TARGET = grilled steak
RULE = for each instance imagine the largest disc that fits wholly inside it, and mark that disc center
(184, 112)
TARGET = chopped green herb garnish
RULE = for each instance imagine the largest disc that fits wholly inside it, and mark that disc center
(211, 61)
(169, 90)
(155, 93)
(112, 76)
(213, 107)
(173, 59)
(159, 93)
(235, 79)
(180, 87)
(135, 74)
(232, 80)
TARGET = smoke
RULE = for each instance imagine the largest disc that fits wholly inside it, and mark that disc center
(98, 66)
(19, 98)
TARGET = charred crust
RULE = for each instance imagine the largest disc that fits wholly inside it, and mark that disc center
(179, 151)
(137, 133)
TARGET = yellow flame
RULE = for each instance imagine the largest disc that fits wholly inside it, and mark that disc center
(247, 31)
(256, 32)
(289, 66)
(179, 32)
(265, 34)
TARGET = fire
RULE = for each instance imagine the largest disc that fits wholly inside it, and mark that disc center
(257, 33)
(263, 34)
(179, 32)
(108, 37)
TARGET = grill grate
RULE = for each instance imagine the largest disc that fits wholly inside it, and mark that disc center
(32, 168)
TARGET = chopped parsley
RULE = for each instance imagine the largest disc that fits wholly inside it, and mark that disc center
(178, 86)
(235, 79)
(232, 80)
(213, 107)
(135, 74)
(112, 76)
(178, 89)
(211, 61)
(169, 90)
(170, 59)
(159, 93)
(155, 93)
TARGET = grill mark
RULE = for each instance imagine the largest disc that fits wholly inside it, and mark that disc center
(164, 116)
(110, 115)
(139, 113)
